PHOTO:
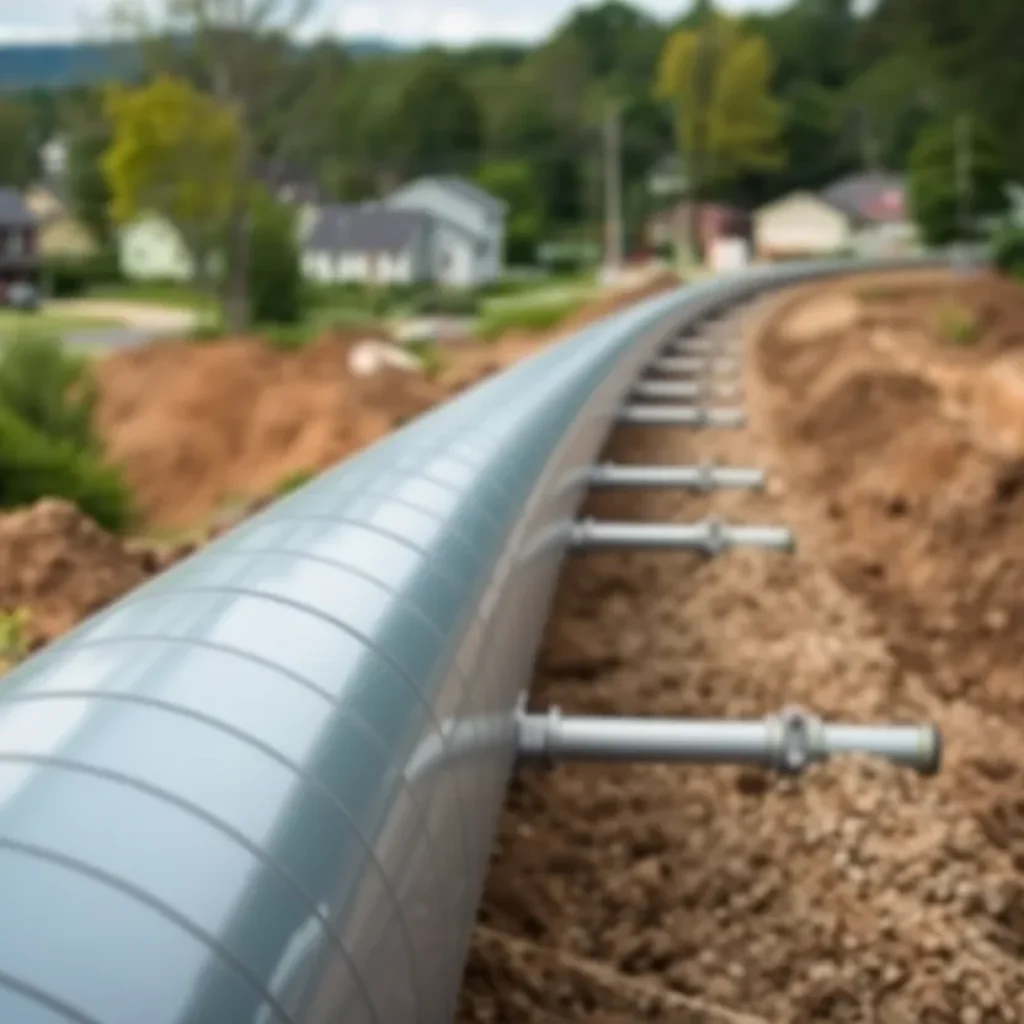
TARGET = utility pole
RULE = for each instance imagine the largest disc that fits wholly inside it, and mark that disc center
(613, 190)
(964, 172)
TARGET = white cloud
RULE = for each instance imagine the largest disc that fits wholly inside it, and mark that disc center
(406, 21)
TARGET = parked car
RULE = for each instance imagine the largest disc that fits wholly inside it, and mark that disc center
(20, 295)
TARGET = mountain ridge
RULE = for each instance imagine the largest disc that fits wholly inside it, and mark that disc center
(64, 65)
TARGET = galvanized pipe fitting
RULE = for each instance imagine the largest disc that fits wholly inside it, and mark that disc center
(695, 364)
(682, 389)
(709, 537)
(697, 478)
(679, 416)
(787, 742)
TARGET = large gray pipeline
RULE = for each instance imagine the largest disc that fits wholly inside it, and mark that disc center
(236, 795)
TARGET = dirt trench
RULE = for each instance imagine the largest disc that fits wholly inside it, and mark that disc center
(860, 892)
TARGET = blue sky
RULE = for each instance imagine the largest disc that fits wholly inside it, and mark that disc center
(446, 21)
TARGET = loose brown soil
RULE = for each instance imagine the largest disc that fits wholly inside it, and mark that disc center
(859, 892)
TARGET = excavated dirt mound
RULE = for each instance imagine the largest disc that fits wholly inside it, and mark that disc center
(859, 892)
(60, 567)
(195, 426)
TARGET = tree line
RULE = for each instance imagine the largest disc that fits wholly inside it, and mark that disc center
(754, 106)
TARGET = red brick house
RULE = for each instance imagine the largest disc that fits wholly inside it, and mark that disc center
(19, 254)
(716, 220)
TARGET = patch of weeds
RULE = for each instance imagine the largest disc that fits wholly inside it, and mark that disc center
(292, 482)
(429, 356)
(541, 316)
(957, 324)
(13, 636)
(287, 337)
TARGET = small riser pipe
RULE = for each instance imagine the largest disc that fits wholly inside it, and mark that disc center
(788, 742)
(680, 416)
(683, 389)
(704, 347)
(697, 478)
(694, 364)
(707, 538)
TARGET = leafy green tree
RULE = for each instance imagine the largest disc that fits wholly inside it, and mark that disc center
(18, 163)
(441, 127)
(174, 152)
(513, 182)
(935, 199)
(717, 78)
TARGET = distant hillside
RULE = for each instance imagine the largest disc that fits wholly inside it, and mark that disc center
(59, 65)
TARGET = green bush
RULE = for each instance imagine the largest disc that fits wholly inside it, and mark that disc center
(66, 277)
(48, 446)
(51, 389)
(1008, 250)
(445, 303)
(541, 316)
(34, 466)
(286, 337)
(275, 275)
(957, 324)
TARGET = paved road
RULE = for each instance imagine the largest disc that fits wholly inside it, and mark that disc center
(137, 322)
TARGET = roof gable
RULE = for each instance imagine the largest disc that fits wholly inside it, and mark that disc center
(369, 227)
(13, 211)
(874, 196)
(466, 190)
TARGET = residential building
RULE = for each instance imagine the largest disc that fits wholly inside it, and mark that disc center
(468, 247)
(671, 226)
(443, 230)
(60, 233)
(876, 208)
(369, 243)
(19, 258)
(864, 213)
(151, 249)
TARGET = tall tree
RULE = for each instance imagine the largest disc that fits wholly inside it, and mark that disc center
(238, 51)
(18, 163)
(717, 79)
(174, 152)
(441, 124)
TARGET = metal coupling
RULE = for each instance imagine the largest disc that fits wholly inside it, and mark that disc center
(787, 742)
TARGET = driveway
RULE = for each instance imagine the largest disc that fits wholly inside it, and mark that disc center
(120, 323)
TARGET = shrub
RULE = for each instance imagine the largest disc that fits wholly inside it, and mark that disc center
(957, 324)
(1008, 250)
(292, 482)
(13, 636)
(526, 317)
(275, 275)
(34, 466)
(445, 303)
(429, 356)
(287, 337)
(49, 388)
(66, 277)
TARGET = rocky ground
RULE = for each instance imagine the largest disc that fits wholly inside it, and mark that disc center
(859, 892)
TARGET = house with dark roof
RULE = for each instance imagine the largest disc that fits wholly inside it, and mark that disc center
(442, 229)
(19, 258)
(864, 213)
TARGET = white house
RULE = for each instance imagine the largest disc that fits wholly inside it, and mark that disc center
(442, 229)
(865, 213)
(800, 224)
(151, 249)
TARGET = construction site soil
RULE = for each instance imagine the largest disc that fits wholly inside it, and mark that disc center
(858, 892)
(894, 439)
